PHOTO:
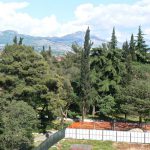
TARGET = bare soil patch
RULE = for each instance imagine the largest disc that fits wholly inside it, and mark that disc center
(120, 126)
(128, 146)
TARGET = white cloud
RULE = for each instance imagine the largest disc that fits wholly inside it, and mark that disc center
(101, 19)
(10, 18)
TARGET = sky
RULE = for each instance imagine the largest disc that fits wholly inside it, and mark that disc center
(61, 17)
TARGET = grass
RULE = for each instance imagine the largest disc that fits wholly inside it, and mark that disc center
(65, 144)
(96, 145)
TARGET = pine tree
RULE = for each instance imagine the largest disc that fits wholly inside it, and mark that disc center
(132, 48)
(128, 61)
(113, 42)
(85, 74)
(141, 45)
(125, 48)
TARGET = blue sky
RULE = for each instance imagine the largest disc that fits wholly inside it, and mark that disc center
(60, 17)
(63, 9)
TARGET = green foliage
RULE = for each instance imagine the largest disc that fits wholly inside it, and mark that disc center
(106, 79)
(127, 55)
(22, 72)
(15, 40)
(126, 50)
(69, 68)
(107, 105)
(85, 74)
(107, 70)
(141, 46)
(18, 120)
(134, 97)
(132, 48)
(25, 75)
(20, 41)
(113, 42)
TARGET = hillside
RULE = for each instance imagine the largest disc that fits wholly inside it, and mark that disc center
(59, 45)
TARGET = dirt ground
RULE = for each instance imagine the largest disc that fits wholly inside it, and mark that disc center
(127, 146)
(121, 126)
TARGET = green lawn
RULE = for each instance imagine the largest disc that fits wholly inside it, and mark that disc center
(65, 144)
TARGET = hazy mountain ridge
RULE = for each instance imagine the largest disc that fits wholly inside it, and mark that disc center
(59, 45)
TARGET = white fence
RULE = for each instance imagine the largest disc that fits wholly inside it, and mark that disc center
(118, 136)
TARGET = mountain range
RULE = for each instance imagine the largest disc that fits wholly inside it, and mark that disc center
(59, 45)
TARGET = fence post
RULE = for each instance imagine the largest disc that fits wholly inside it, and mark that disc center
(76, 133)
(116, 136)
(130, 137)
(89, 134)
(53, 139)
(144, 137)
(102, 135)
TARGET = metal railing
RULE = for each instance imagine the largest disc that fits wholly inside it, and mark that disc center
(53, 139)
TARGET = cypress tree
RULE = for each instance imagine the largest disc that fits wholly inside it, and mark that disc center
(132, 48)
(113, 42)
(49, 52)
(85, 74)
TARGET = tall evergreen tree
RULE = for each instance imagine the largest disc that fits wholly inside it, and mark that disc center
(49, 52)
(132, 48)
(128, 59)
(85, 74)
(141, 45)
(125, 48)
(113, 42)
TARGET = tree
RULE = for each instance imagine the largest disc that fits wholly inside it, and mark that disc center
(47, 54)
(128, 62)
(49, 51)
(132, 48)
(68, 98)
(15, 40)
(25, 75)
(43, 48)
(141, 46)
(69, 69)
(18, 121)
(113, 42)
(136, 97)
(85, 74)
(133, 98)
(20, 41)
(126, 50)
(107, 70)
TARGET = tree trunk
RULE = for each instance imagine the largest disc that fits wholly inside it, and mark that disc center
(140, 120)
(125, 115)
(83, 113)
(93, 111)
(62, 121)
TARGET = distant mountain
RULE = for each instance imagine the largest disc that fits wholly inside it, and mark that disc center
(59, 45)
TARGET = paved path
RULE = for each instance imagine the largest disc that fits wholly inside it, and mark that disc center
(40, 137)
